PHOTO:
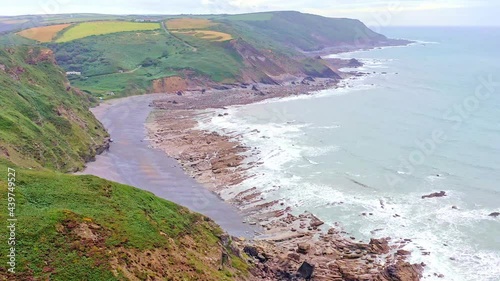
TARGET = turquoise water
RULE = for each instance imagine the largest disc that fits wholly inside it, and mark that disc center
(431, 123)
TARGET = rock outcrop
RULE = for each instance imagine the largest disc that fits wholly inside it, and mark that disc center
(434, 195)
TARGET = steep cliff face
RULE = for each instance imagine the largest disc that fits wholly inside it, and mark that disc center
(44, 121)
(271, 67)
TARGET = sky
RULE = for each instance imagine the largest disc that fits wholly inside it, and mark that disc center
(372, 12)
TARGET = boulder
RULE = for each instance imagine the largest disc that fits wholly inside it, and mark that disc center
(306, 270)
(403, 271)
(308, 79)
(354, 63)
(315, 222)
(303, 248)
(403, 253)
(494, 214)
(379, 246)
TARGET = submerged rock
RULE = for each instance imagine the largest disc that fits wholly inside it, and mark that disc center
(494, 214)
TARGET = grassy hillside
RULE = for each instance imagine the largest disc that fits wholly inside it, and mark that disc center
(44, 121)
(86, 29)
(128, 62)
(127, 55)
(83, 227)
(306, 32)
(86, 228)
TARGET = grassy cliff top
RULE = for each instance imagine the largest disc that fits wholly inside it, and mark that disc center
(86, 228)
(43, 121)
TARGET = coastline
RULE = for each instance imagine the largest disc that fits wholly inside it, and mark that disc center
(289, 239)
(130, 160)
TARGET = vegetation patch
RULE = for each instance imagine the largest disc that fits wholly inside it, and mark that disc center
(251, 17)
(87, 29)
(209, 35)
(189, 23)
(87, 228)
(43, 33)
(43, 121)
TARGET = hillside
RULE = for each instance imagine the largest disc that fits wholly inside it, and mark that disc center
(83, 227)
(304, 32)
(138, 54)
(44, 122)
(86, 228)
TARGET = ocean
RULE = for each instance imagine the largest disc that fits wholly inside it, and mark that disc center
(425, 119)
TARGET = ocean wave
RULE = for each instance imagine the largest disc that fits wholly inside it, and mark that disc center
(433, 225)
(417, 42)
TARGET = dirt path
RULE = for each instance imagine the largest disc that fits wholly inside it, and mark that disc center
(183, 42)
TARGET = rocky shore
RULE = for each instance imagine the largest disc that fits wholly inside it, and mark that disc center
(291, 247)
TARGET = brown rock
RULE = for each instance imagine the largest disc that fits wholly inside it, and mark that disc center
(403, 271)
(294, 256)
(303, 248)
(379, 246)
(403, 253)
(315, 222)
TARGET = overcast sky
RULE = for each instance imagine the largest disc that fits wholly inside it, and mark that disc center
(372, 12)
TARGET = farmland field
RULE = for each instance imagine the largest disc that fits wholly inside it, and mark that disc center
(188, 23)
(13, 21)
(209, 35)
(43, 33)
(87, 29)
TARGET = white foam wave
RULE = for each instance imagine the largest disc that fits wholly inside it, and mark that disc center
(433, 225)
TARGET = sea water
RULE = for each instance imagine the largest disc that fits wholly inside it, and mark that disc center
(425, 119)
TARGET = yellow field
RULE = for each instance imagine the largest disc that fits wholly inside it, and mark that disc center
(43, 33)
(188, 23)
(87, 29)
(207, 35)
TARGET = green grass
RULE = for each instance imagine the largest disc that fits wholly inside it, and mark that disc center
(251, 17)
(42, 122)
(101, 59)
(51, 206)
(303, 31)
(83, 227)
(87, 29)
(106, 60)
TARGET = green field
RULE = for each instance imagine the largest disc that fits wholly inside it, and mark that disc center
(106, 62)
(87, 29)
(128, 55)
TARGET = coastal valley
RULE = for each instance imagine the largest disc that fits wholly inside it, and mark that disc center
(54, 68)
